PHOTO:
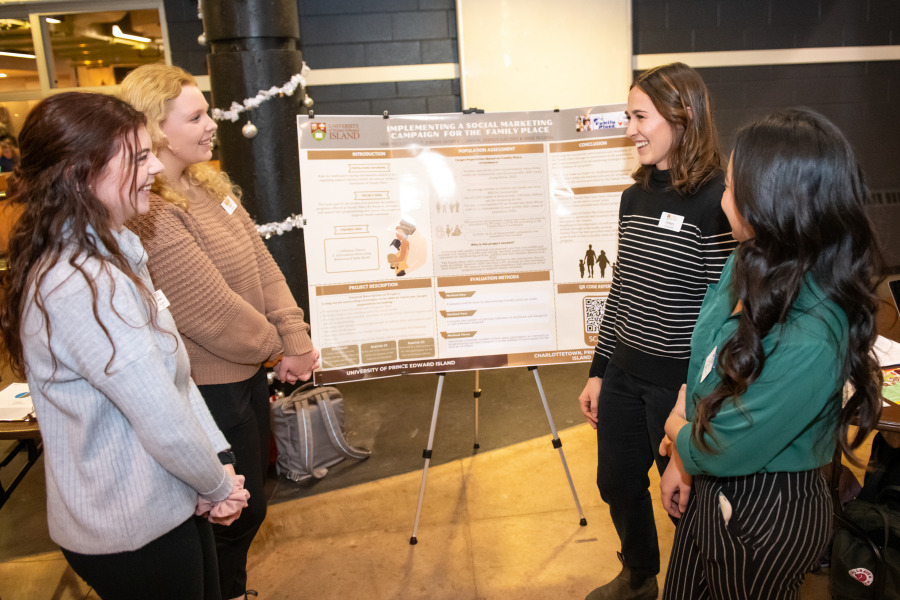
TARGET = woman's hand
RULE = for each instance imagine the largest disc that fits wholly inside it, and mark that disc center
(297, 367)
(589, 398)
(676, 418)
(675, 484)
(228, 510)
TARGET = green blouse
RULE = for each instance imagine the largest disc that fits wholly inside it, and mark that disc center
(787, 417)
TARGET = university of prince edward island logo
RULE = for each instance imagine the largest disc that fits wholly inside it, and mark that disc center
(318, 131)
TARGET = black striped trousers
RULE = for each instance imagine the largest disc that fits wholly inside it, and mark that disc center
(779, 526)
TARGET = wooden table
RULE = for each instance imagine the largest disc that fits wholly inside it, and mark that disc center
(26, 436)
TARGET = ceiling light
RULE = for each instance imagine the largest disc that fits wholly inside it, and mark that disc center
(16, 54)
(117, 32)
(52, 20)
(2, 75)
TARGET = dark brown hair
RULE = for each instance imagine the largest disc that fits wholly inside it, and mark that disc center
(679, 94)
(66, 142)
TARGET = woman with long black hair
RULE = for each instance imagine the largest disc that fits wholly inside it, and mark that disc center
(781, 362)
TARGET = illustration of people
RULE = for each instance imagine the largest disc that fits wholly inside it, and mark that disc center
(397, 260)
(602, 261)
(581, 267)
(589, 257)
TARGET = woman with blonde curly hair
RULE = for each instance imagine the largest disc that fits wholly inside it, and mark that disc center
(229, 299)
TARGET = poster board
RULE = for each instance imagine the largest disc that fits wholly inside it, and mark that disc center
(450, 242)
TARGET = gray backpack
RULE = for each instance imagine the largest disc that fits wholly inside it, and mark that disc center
(308, 427)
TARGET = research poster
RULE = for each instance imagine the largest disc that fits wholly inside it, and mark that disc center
(450, 242)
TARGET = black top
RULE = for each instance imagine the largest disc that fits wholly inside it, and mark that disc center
(670, 248)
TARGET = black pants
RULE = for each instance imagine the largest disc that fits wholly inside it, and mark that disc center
(180, 565)
(631, 418)
(241, 410)
(779, 525)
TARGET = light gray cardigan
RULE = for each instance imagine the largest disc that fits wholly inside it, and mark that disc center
(128, 444)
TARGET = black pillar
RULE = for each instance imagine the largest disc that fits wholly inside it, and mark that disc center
(253, 46)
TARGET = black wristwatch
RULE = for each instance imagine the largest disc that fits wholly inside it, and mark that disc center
(226, 457)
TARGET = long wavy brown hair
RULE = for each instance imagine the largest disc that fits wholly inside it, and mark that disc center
(797, 182)
(66, 142)
(679, 94)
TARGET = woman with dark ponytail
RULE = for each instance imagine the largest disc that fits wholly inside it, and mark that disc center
(781, 362)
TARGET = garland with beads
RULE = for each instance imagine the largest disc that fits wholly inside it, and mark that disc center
(292, 222)
(233, 112)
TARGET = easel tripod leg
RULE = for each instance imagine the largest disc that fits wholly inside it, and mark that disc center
(476, 393)
(426, 454)
(557, 443)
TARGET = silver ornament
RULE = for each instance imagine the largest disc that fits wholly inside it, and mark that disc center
(308, 102)
(201, 39)
(249, 130)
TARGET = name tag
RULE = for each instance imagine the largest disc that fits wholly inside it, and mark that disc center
(229, 204)
(670, 221)
(709, 364)
(162, 303)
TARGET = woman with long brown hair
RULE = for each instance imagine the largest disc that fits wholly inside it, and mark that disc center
(673, 240)
(130, 445)
(781, 362)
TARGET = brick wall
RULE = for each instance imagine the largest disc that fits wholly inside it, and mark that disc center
(339, 34)
(861, 98)
(184, 29)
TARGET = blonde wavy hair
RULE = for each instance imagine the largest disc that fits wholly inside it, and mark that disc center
(152, 89)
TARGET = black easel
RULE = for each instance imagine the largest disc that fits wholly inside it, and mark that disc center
(426, 454)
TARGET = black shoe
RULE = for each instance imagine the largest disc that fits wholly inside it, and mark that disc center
(620, 587)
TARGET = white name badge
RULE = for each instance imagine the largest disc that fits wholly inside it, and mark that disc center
(670, 221)
(229, 204)
(162, 303)
(709, 364)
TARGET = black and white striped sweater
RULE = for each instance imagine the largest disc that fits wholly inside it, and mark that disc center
(670, 248)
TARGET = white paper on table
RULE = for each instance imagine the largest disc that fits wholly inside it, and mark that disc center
(15, 402)
(887, 352)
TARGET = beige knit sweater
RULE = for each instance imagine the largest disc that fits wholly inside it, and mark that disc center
(229, 299)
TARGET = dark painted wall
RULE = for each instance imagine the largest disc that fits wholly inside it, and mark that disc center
(337, 34)
(861, 98)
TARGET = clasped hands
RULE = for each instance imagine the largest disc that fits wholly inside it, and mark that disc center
(675, 483)
(228, 510)
(299, 367)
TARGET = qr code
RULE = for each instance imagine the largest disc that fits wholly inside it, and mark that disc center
(593, 313)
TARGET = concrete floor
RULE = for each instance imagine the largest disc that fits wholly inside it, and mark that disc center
(500, 525)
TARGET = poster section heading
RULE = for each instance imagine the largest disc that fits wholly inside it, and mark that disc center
(451, 242)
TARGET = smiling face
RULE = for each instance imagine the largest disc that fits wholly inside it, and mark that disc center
(741, 230)
(651, 133)
(188, 129)
(124, 185)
